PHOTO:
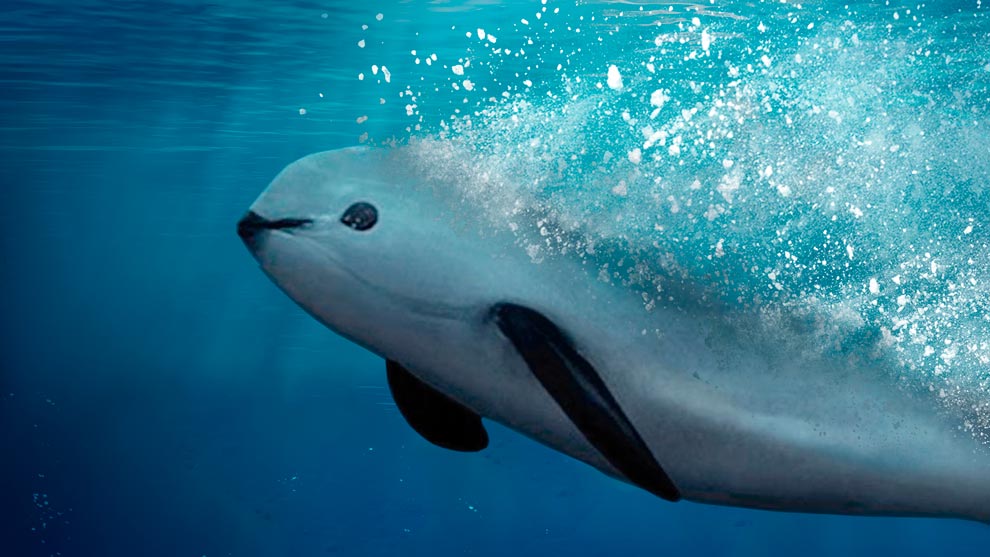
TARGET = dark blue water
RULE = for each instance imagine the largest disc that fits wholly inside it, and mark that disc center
(160, 397)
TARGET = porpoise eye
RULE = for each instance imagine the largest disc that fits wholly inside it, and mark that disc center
(360, 216)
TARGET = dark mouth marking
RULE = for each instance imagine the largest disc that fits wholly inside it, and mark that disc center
(253, 222)
(283, 224)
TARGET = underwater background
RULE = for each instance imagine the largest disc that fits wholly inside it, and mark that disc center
(159, 396)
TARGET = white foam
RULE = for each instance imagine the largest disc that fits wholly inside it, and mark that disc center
(614, 78)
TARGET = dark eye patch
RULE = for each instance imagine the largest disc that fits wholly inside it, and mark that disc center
(360, 216)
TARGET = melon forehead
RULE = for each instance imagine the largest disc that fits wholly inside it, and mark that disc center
(342, 171)
(327, 183)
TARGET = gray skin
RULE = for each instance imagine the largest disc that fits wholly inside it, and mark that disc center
(730, 423)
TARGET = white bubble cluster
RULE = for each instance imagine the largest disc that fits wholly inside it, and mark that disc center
(819, 170)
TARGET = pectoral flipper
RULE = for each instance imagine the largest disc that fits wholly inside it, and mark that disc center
(440, 419)
(583, 396)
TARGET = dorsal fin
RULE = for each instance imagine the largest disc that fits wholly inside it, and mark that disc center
(438, 418)
(583, 396)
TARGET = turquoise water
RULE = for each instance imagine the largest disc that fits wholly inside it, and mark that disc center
(159, 396)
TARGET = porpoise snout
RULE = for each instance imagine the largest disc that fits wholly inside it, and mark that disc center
(252, 223)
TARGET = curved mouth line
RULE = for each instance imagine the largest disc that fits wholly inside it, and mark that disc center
(253, 222)
(283, 224)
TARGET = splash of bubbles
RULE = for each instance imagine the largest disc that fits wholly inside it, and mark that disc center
(824, 171)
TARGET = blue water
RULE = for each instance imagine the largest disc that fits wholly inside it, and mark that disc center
(159, 396)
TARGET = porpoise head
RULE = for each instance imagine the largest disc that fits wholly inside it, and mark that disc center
(364, 248)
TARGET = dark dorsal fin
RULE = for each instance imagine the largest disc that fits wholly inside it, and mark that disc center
(438, 418)
(583, 396)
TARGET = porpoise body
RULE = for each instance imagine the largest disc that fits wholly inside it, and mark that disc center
(667, 399)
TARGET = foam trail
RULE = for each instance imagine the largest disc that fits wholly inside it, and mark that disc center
(817, 180)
